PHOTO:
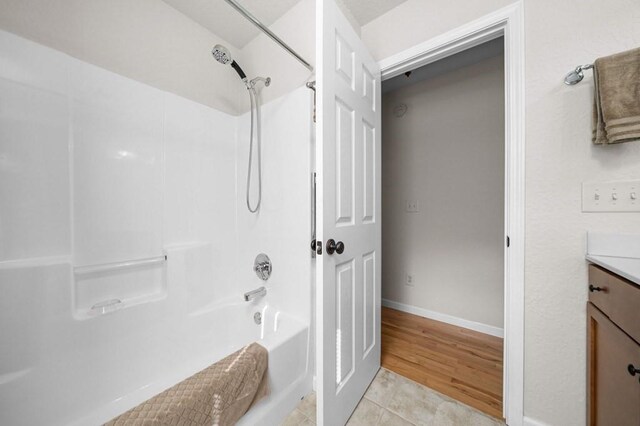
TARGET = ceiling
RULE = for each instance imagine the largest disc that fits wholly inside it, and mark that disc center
(221, 19)
(365, 11)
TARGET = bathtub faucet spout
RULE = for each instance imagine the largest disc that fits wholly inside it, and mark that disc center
(253, 294)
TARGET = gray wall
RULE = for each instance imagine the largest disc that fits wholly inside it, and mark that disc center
(447, 152)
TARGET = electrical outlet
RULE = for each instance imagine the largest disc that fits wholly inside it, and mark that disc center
(408, 280)
(412, 206)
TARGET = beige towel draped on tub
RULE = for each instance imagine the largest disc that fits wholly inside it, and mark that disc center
(218, 395)
(617, 98)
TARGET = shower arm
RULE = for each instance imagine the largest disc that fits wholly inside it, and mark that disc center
(244, 12)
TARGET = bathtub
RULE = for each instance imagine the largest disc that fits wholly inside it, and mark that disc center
(222, 329)
(62, 371)
(290, 378)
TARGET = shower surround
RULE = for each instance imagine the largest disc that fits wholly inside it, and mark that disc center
(96, 169)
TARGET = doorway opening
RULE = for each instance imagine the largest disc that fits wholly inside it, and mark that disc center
(444, 233)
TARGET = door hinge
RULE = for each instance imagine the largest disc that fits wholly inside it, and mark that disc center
(508, 241)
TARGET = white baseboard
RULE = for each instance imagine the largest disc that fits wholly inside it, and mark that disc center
(449, 319)
(528, 421)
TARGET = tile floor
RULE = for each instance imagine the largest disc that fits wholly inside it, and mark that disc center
(396, 401)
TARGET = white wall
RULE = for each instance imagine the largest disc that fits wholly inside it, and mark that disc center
(96, 167)
(151, 42)
(559, 157)
(446, 152)
(146, 40)
(263, 57)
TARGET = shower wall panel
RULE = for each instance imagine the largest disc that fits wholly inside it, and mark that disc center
(200, 197)
(281, 228)
(34, 163)
(97, 168)
(116, 141)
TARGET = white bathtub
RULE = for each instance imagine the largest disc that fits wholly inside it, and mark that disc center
(58, 370)
(290, 378)
(220, 330)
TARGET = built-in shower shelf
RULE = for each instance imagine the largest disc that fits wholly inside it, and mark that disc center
(114, 305)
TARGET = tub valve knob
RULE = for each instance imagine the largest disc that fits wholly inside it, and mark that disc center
(262, 266)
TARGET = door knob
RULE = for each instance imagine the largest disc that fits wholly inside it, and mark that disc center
(633, 370)
(592, 288)
(333, 246)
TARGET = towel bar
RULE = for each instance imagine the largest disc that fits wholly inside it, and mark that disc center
(576, 76)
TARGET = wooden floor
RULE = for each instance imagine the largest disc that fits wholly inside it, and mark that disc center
(460, 363)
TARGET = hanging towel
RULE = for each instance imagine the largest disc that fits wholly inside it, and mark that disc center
(617, 98)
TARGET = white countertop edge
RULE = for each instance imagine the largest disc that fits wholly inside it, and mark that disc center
(626, 267)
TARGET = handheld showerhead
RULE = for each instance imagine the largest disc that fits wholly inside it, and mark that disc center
(222, 55)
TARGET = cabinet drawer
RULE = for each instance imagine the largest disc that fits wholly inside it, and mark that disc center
(617, 298)
(599, 288)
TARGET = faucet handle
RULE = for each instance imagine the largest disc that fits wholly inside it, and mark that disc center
(262, 266)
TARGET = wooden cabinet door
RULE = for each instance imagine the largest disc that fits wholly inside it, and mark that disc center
(614, 394)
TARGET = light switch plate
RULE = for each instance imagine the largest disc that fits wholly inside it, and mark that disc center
(622, 196)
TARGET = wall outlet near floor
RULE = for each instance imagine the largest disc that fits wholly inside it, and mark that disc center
(623, 196)
(409, 279)
(412, 206)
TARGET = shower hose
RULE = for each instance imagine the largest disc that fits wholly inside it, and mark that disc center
(253, 96)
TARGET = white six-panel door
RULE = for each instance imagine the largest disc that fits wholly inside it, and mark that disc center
(348, 211)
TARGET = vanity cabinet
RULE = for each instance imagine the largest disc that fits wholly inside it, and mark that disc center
(613, 356)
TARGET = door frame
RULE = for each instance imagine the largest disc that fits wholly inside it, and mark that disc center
(507, 22)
